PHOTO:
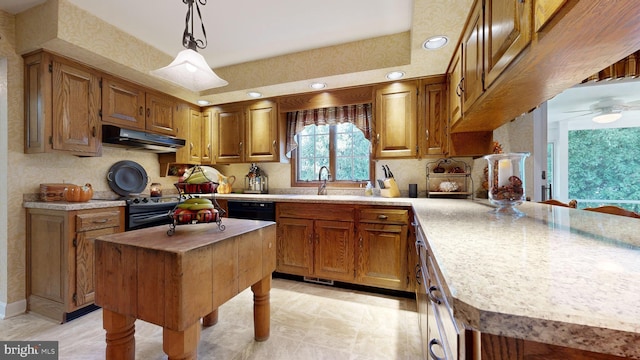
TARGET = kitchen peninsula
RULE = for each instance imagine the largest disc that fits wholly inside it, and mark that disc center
(174, 281)
(555, 281)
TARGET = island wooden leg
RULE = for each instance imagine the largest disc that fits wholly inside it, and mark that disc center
(181, 345)
(211, 318)
(261, 309)
(121, 343)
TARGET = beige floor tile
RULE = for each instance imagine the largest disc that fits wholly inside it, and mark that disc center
(308, 321)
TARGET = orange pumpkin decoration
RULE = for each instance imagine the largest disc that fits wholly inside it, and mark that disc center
(75, 193)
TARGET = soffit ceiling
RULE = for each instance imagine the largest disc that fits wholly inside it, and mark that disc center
(256, 36)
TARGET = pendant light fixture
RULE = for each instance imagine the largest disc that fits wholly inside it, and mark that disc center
(189, 69)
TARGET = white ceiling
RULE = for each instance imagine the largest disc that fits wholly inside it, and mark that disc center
(242, 31)
(574, 104)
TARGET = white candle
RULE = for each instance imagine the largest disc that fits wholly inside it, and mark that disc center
(505, 171)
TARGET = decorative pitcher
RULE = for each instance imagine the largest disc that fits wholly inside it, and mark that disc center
(225, 183)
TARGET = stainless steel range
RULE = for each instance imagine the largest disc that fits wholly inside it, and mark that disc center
(143, 211)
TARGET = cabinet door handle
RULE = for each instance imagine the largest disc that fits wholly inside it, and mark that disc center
(273, 144)
(459, 88)
(240, 145)
(317, 238)
(432, 297)
(310, 239)
(427, 133)
(141, 110)
(93, 132)
(418, 274)
(148, 112)
(190, 146)
(432, 343)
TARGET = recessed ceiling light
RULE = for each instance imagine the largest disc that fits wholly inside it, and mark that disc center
(318, 85)
(254, 94)
(395, 75)
(203, 102)
(435, 42)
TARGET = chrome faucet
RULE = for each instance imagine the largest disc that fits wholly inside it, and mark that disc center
(322, 189)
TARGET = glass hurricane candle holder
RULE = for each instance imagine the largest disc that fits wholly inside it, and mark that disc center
(506, 181)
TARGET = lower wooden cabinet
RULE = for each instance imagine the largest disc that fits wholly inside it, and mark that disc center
(316, 241)
(382, 248)
(348, 243)
(60, 257)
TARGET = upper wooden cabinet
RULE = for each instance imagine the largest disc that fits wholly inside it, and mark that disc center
(62, 106)
(228, 129)
(454, 82)
(396, 120)
(497, 32)
(545, 10)
(245, 132)
(123, 104)
(472, 59)
(507, 33)
(160, 113)
(433, 119)
(261, 132)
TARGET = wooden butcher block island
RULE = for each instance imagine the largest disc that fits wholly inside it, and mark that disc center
(174, 281)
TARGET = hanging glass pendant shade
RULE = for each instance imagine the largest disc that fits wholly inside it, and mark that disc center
(189, 69)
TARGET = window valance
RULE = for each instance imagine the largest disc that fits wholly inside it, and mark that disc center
(358, 115)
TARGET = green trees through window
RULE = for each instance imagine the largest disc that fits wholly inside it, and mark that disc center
(342, 148)
(604, 164)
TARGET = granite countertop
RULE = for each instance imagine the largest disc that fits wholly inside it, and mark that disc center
(556, 275)
(68, 206)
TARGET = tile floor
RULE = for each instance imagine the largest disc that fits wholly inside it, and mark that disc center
(308, 321)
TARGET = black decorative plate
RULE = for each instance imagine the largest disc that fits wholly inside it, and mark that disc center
(127, 177)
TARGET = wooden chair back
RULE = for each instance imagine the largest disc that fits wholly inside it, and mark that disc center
(572, 204)
(615, 210)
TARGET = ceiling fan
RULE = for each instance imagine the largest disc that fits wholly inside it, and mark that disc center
(607, 110)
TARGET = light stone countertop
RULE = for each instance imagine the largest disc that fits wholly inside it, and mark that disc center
(69, 206)
(556, 275)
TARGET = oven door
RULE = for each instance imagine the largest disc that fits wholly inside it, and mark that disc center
(140, 216)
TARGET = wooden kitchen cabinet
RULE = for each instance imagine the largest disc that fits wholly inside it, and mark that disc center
(496, 33)
(60, 257)
(228, 129)
(433, 119)
(472, 59)
(123, 104)
(382, 248)
(62, 106)
(396, 120)
(507, 32)
(160, 113)
(454, 82)
(545, 10)
(246, 132)
(261, 136)
(316, 241)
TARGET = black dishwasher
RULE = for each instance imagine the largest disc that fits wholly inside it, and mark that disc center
(252, 210)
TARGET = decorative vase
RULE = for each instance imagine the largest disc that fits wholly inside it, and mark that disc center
(506, 181)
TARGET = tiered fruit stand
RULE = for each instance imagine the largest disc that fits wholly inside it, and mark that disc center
(193, 208)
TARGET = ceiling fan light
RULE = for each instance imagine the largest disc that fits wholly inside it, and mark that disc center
(191, 71)
(607, 118)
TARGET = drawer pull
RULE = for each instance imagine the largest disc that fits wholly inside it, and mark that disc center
(382, 217)
(432, 354)
(432, 297)
(103, 221)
